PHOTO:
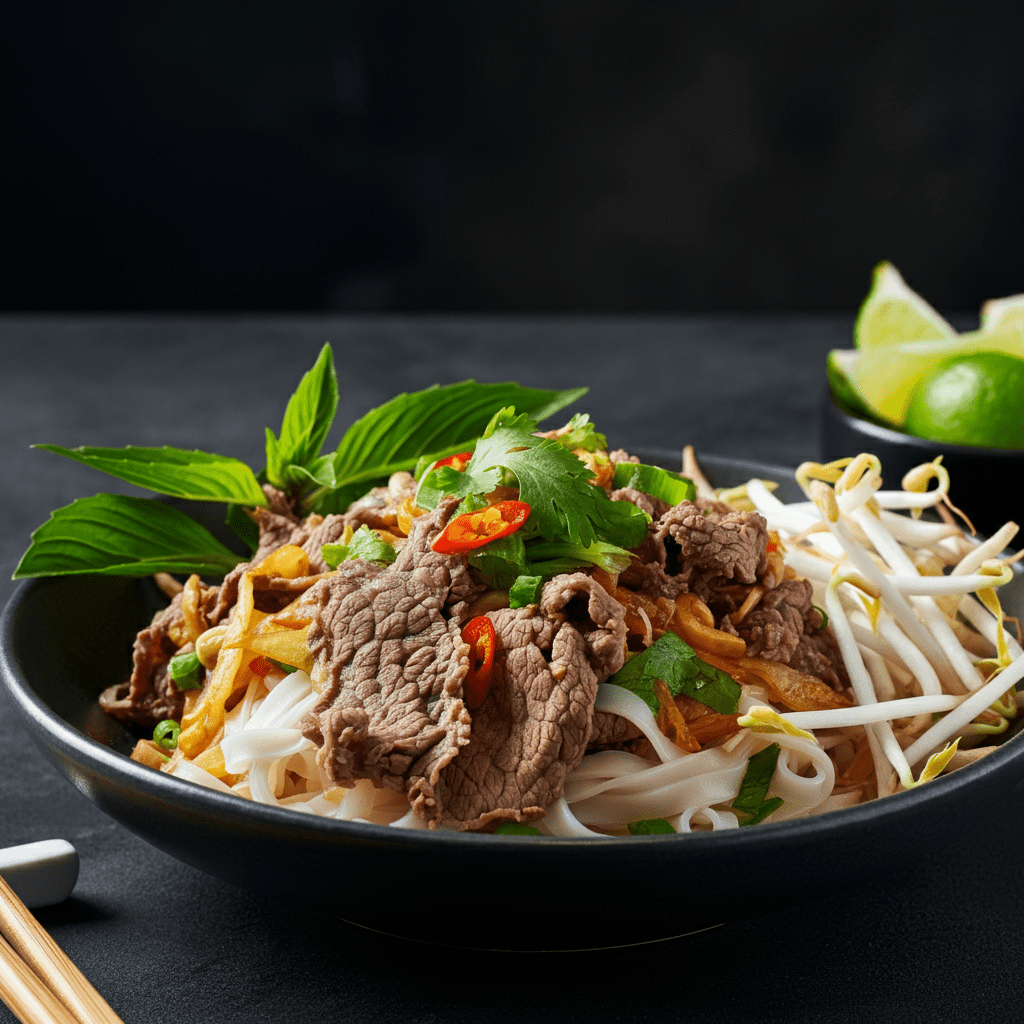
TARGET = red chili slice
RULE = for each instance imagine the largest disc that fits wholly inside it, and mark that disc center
(458, 462)
(475, 529)
(479, 634)
(262, 666)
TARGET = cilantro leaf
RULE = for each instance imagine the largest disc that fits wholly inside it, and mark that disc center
(118, 535)
(292, 460)
(433, 423)
(581, 433)
(674, 662)
(201, 476)
(750, 802)
(552, 481)
(650, 827)
(365, 543)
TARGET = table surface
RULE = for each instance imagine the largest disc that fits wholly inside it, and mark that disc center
(161, 939)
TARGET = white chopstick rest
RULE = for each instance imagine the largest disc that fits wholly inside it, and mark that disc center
(41, 874)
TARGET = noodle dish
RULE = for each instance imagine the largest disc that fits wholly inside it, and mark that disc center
(464, 618)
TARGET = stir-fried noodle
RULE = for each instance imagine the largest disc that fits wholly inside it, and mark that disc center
(912, 603)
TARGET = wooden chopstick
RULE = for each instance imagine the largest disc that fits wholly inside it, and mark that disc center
(29, 942)
(25, 995)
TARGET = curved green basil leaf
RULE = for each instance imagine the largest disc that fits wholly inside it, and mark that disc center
(200, 476)
(119, 535)
(307, 421)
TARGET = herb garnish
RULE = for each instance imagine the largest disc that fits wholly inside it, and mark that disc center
(674, 662)
(651, 827)
(750, 803)
(573, 524)
(515, 828)
(129, 536)
(365, 543)
(552, 481)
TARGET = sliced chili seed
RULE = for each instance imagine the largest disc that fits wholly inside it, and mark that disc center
(480, 635)
(475, 529)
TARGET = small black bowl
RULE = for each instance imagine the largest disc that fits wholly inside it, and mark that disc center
(482, 891)
(987, 483)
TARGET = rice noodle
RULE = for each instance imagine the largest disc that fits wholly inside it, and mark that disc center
(891, 585)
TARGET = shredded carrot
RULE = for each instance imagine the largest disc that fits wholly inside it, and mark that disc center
(795, 690)
(638, 606)
(671, 721)
(230, 676)
(195, 621)
(859, 769)
(406, 513)
(695, 624)
(705, 724)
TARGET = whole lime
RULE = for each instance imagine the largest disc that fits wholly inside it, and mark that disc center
(975, 399)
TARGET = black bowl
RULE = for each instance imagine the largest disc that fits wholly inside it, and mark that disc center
(504, 892)
(988, 483)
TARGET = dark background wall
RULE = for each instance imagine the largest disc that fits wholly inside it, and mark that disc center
(527, 156)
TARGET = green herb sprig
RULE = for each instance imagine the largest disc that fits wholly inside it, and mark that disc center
(129, 536)
(752, 804)
(676, 663)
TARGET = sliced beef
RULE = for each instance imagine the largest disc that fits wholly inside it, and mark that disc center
(654, 507)
(785, 626)
(599, 618)
(530, 731)
(378, 508)
(621, 455)
(327, 530)
(705, 549)
(276, 530)
(701, 551)
(281, 503)
(149, 696)
(817, 654)
(774, 627)
(391, 667)
(608, 730)
(535, 724)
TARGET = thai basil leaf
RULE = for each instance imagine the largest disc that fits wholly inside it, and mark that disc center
(201, 476)
(118, 535)
(292, 458)
(674, 662)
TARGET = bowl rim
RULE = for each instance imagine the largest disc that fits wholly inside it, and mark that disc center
(890, 435)
(47, 727)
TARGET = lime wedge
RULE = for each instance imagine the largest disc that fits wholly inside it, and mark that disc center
(884, 377)
(893, 313)
(997, 313)
(839, 365)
